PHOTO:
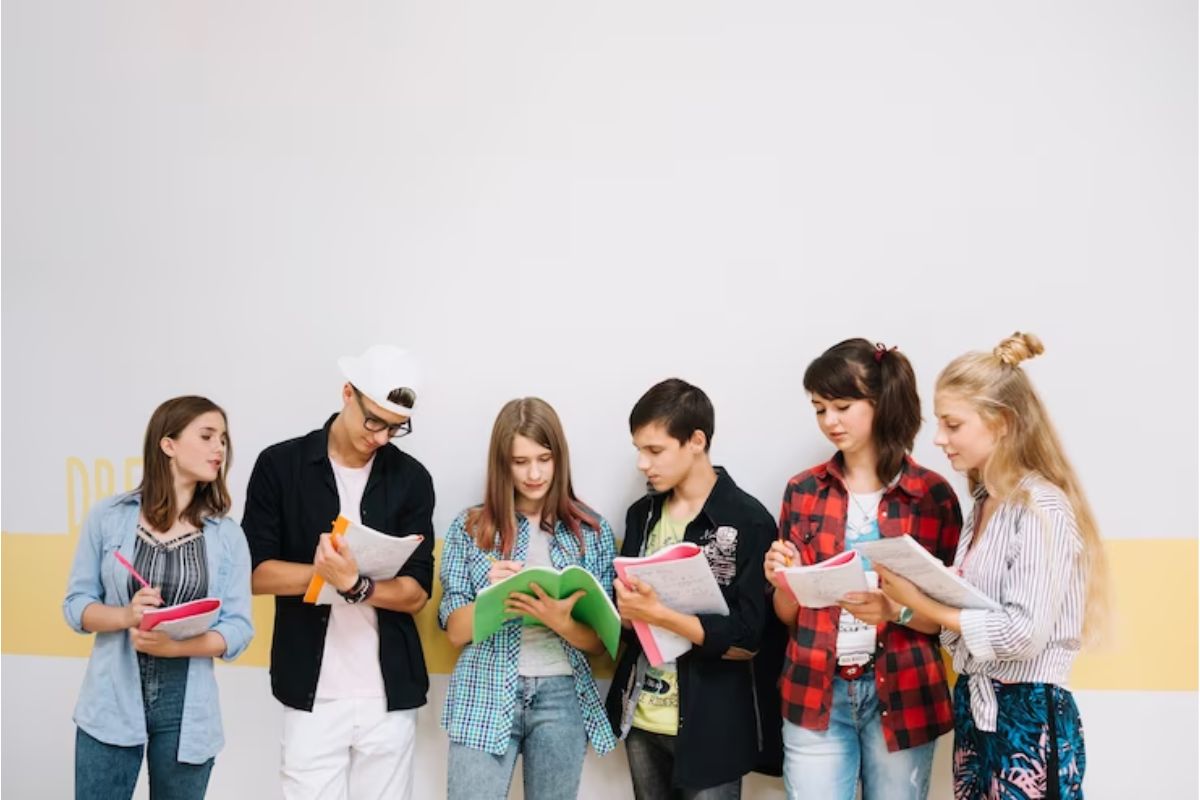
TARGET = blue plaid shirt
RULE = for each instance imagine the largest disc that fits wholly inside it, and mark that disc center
(483, 689)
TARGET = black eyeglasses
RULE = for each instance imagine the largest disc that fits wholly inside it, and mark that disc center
(374, 424)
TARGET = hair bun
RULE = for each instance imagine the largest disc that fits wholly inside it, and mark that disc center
(1018, 347)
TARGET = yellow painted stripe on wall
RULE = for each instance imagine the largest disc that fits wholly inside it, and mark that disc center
(1154, 644)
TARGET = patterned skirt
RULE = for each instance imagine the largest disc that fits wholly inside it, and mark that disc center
(1029, 745)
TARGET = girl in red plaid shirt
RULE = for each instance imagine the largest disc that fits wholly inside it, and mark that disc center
(864, 694)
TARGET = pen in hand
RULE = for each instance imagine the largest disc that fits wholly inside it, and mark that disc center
(124, 563)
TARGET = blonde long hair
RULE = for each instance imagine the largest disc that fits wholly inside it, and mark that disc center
(1001, 393)
(493, 525)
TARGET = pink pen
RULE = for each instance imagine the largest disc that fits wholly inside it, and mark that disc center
(129, 567)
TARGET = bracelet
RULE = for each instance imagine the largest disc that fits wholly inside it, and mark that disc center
(360, 592)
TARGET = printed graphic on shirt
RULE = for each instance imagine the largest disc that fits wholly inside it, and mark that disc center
(658, 704)
(721, 552)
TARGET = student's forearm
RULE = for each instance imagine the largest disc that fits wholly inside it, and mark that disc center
(99, 618)
(399, 594)
(941, 616)
(686, 625)
(208, 644)
(785, 607)
(924, 624)
(460, 625)
(286, 578)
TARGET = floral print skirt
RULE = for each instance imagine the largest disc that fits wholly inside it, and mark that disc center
(1036, 752)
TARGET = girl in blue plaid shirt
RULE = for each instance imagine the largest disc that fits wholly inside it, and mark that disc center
(525, 690)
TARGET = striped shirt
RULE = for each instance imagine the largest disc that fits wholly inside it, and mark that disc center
(179, 567)
(1030, 560)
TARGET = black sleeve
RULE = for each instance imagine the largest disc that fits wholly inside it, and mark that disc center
(261, 519)
(417, 517)
(743, 626)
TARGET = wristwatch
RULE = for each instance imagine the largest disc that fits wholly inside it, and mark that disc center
(906, 615)
(360, 591)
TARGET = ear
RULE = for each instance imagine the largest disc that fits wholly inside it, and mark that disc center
(168, 446)
(347, 393)
(697, 440)
(1001, 428)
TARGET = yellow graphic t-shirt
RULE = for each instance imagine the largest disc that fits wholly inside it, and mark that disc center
(658, 704)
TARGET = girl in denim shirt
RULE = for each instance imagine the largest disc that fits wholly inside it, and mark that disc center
(143, 691)
(527, 689)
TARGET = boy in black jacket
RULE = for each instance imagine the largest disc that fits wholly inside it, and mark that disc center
(691, 727)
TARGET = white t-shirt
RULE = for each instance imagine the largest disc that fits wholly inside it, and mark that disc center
(542, 653)
(855, 637)
(350, 664)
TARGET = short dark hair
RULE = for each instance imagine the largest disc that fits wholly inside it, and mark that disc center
(856, 369)
(680, 407)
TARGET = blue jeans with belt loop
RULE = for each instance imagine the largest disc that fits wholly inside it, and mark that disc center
(828, 764)
(547, 732)
(109, 772)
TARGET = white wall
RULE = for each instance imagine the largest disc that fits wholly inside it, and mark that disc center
(574, 201)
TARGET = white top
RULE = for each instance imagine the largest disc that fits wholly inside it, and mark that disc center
(1030, 560)
(350, 664)
(856, 639)
(542, 653)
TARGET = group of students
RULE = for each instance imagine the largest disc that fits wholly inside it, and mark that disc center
(850, 694)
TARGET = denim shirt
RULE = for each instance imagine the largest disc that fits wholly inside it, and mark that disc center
(481, 700)
(110, 706)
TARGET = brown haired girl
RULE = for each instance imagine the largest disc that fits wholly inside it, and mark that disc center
(863, 685)
(525, 690)
(174, 531)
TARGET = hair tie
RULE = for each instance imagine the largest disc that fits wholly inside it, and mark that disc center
(881, 350)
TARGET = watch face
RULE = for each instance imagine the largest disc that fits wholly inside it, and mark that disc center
(906, 615)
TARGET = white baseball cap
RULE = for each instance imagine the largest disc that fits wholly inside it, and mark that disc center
(384, 370)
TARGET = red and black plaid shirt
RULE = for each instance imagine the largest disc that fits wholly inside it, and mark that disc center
(909, 674)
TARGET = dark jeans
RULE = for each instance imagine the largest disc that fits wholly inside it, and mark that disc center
(651, 762)
(109, 772)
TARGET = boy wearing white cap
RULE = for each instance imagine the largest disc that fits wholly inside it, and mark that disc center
(352, 675)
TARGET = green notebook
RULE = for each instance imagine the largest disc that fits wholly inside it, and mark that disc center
(595, 609)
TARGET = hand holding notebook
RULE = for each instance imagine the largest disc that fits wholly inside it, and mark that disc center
(684, 582)
(379, 556)
(824, 584)
(182, 621)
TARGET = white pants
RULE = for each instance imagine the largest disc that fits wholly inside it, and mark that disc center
(348, 749)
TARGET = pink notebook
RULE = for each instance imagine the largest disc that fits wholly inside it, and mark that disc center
(184, 620)
(683, 580)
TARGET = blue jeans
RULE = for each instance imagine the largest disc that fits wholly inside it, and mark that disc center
(109, 772)
(651, 764)
(828, 764)
(547, 731)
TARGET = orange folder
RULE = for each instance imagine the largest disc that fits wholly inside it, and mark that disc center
(317, 583)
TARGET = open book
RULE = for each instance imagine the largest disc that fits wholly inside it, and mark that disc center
(182, 621)
(379, 556)
(903, 556)
(595, 609)
(684, 582)
(823, 584)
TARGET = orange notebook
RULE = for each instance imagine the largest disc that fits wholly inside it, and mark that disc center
(318, 583)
